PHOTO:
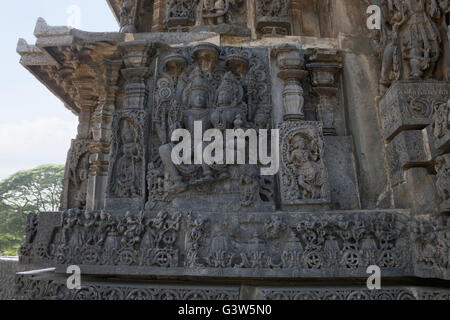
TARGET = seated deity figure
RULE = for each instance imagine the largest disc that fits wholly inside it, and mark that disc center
(129, 164)
(309, 175)
(229, 104)
(196, 98)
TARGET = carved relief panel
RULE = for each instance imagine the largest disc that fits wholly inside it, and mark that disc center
(127, 166)
(76, 174)
(303, 176)
(411, 42)
(221, 88)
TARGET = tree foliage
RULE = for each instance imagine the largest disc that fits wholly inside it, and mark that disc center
(26, 191)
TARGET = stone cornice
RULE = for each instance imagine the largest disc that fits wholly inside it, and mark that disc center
(63, 56)
(115, 6)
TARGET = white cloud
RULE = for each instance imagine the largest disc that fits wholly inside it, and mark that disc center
(30, 143)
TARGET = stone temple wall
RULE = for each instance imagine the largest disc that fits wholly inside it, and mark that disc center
(363, 180)
(9, 266)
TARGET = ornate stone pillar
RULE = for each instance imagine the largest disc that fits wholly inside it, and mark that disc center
(126, 176)
(102, 132)
(75, 181)
(325, 67)
(303, 178)
(290, 61)
(135, 56)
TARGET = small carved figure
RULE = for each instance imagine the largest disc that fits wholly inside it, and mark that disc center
(31, 227)
(250, 189)
(87, 226)
(131, 228)
(129, 164)
(443, 178)
(216, 12)
(390, 45)
(69, 220)
(229, 104)
(102, 227)
(441, 119)
(193, 237)
(421, 39)
(309, 174)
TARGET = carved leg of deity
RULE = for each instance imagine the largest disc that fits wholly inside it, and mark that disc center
(416, 61)
(165, 152)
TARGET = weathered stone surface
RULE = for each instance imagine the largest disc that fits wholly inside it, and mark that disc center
(417, 192)
(44, 287)
(409, 105)
(439, 129)
(9, 266)
(408, 149)
(346, 151)
(340, 164)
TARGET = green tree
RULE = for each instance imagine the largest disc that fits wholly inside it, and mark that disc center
(26, 191)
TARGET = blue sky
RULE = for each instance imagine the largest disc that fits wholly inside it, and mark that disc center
(35, 127)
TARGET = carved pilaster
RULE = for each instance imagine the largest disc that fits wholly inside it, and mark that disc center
(126, 186)
(102, 132)
(290, 61)
(136, 55)
(325, 67)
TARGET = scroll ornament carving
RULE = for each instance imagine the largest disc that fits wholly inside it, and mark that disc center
(180, 13)
(27, 286)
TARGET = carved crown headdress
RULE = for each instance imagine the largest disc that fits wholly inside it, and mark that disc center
(231, 85)
(198, 81)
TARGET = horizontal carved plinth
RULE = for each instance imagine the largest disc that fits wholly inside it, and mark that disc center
(240, 245)
(52, 287)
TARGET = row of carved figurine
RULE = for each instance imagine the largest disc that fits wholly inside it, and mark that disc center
(178, 239)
